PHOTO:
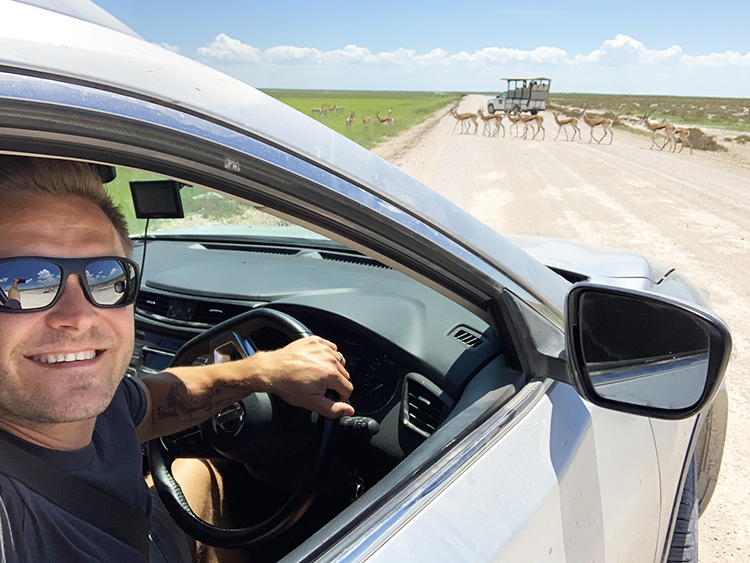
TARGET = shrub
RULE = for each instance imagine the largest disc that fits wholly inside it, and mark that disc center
(699, 140)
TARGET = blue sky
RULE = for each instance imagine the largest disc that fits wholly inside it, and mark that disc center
(659, 47)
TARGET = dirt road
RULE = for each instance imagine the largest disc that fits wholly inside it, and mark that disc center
(691, 212)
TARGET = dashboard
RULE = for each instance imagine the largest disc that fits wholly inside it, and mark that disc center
(409, 350)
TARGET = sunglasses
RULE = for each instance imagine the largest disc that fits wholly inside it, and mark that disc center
(35, 283)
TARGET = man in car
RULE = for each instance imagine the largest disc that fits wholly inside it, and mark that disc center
(64, 351)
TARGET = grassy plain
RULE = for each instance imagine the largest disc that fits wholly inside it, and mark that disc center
(407, 109)
(726, 113)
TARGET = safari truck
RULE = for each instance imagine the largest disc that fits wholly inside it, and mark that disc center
(523, 94)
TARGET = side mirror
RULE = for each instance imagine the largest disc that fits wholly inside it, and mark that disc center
(643, 353)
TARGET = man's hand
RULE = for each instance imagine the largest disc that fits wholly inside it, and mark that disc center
(302, 372)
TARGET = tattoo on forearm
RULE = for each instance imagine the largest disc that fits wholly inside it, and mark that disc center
(181, 404)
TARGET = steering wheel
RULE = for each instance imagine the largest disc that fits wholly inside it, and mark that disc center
(239, 432)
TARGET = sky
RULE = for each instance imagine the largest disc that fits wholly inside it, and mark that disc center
(662, 47)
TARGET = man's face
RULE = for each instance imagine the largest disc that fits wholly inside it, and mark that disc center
(44, 392)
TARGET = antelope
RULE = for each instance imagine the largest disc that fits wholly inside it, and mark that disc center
(684, 135)
(665, 127)
(384, 120)
(349, 120)
(464, 118)
(572, 121)
(605, 122)
(514, 119)
(487, 119)
(365, 120)
(527, 119)
(319, 111)
(498, 117)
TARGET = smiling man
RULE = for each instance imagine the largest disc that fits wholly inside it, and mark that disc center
(67, 288)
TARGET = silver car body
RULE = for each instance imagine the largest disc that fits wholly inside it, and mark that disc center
(548, 476)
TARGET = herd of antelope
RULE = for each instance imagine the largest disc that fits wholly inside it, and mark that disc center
(533, 123)
(324, 110)
(492, 123)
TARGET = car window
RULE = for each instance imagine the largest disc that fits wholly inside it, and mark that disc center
(202, 207)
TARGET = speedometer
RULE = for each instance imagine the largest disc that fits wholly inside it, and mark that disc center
(375, 383)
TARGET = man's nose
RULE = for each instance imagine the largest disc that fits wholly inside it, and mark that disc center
(73, 310)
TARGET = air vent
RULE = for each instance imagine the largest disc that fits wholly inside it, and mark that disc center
(350, 259)
(152, 303)
(215, 313)
(423, 409)
(186, 311)
(467, 337)
(249, 248)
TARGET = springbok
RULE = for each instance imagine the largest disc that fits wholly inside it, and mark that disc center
(527, 119)
(486, 119)
(464, 118)
(684, 135)
(605, 122)
(664, 126)
(384, 120)
(561, 123)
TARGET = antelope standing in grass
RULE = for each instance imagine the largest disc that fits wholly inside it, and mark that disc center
(527, 120)
(365, 120)
(561, 123)
(665, 127)
(464, 118)
(384, 120)
(349, 120)
(605, 122)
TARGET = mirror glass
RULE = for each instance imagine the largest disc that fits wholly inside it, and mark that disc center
(643, 352)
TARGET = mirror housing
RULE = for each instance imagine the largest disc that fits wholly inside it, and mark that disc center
(643, 353)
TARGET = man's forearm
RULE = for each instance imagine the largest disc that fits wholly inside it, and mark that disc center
(300, 373)
(185, 396)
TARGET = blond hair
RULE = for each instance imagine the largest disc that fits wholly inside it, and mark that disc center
(60, 178)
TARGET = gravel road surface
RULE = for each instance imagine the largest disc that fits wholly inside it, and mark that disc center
(691, 212)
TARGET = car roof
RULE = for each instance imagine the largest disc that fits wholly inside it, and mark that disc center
(103, 55)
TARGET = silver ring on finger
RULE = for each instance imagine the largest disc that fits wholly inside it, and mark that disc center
(341, 358)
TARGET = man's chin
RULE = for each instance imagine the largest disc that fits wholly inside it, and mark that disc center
(77, 406)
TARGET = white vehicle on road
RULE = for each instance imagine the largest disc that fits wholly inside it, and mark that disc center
(523, 94)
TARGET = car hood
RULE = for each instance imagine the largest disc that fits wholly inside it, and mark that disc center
(591, 262)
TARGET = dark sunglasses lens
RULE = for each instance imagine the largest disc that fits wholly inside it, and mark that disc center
(110, 282)
(27, 285)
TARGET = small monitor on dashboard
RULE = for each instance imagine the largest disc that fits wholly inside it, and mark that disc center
(157, 199)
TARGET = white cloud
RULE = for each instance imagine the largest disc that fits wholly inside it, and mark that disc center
(45, 276)
(728, 59)
(225, 48)
(2, 280)
(624, 51)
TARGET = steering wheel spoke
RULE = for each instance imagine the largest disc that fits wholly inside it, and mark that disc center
(229, 346)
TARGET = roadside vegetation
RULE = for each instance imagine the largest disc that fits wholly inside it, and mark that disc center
(731, 114)
(727, 113)
(332, 108)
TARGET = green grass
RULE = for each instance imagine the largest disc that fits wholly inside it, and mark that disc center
(728, 113)
(407, 109)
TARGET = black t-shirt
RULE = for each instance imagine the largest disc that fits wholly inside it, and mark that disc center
(33, 530)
